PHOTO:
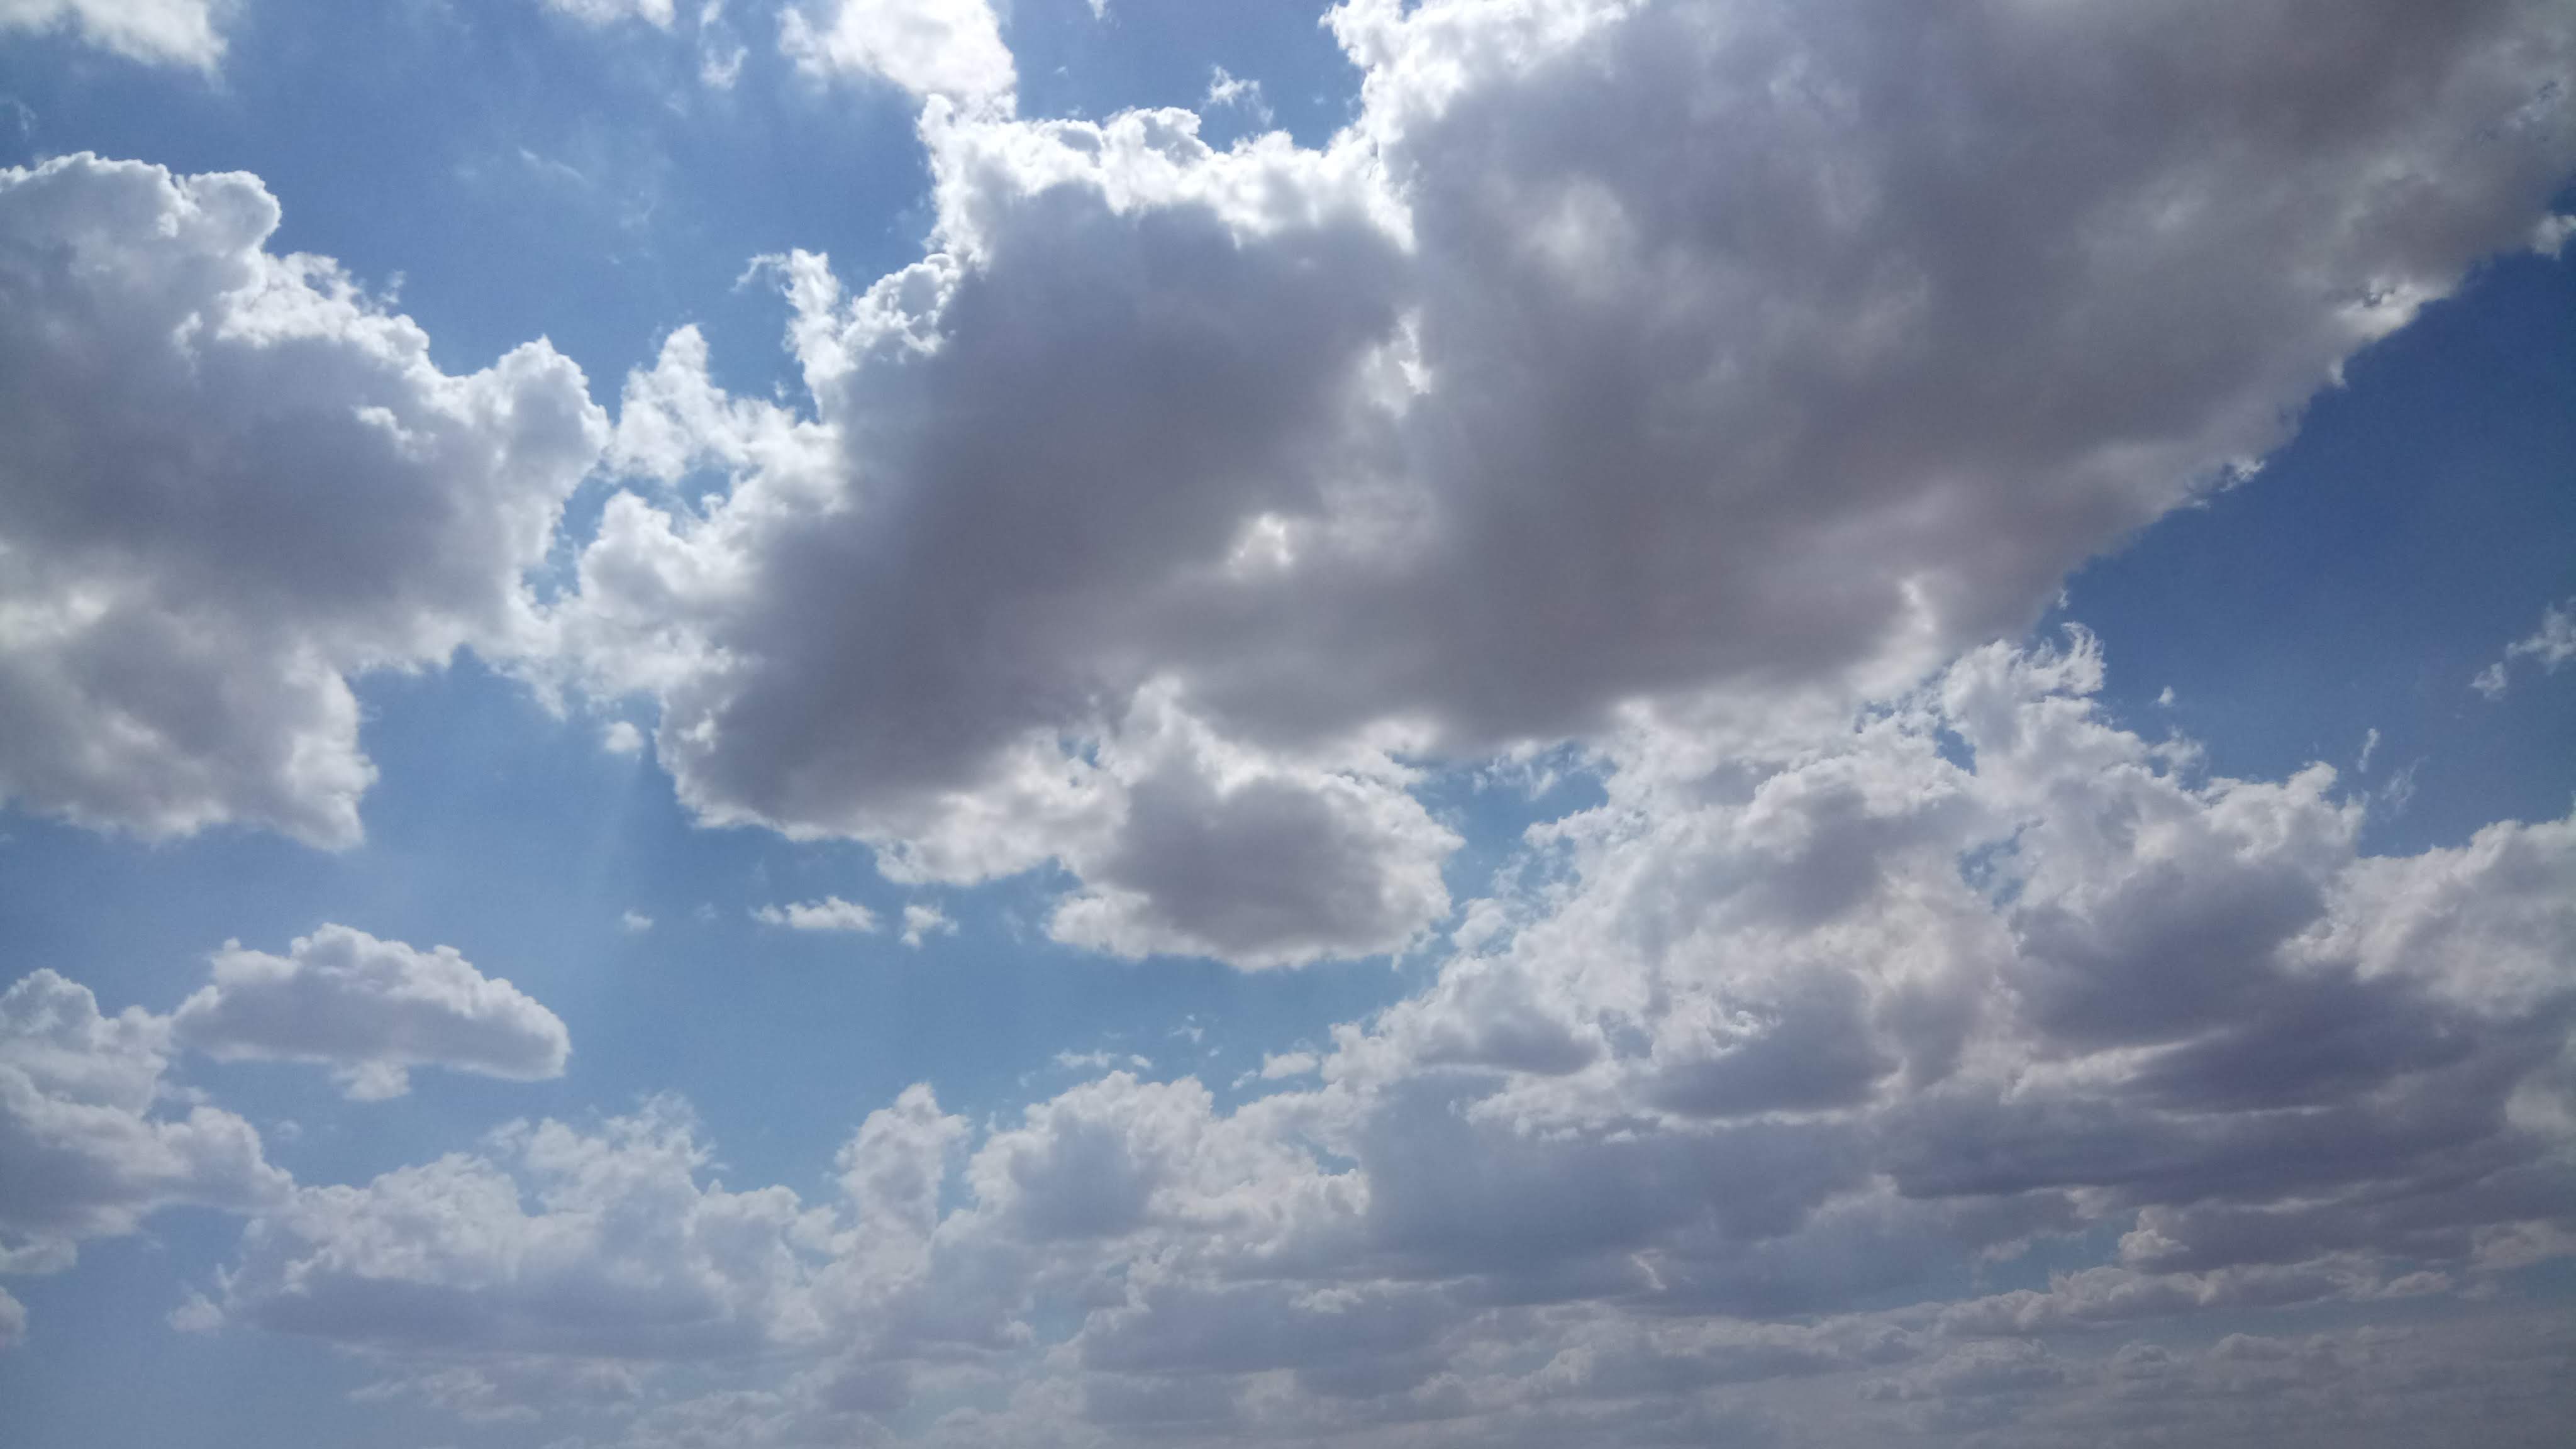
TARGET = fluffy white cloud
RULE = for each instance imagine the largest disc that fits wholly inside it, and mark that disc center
(1708, 363)
(162, 32)
(234, 481)
(946, 48)
(85, 1147)
(371, 1010)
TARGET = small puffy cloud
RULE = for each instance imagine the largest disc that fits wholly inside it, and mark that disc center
(947, 48)
(156, 32)
(2550, 645)
(831, 913)
(233, 482)
(921, 920)
(621, 738)
(370, 1010)
(635, 922)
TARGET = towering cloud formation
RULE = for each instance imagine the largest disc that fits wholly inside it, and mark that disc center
(233, 481)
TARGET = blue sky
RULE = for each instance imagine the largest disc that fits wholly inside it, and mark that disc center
(1480, 722)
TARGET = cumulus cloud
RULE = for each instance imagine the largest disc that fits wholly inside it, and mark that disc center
(831, 913)
(1180, 502)
(1759, 1050)
(371, 1010)
(946, 48)
(91, 1142)
(603, 1244)
(2550, 645)
(234, 482)
(157, 32)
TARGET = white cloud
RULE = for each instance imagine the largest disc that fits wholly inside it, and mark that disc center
(1179, 500)
(551, 1241)
(2550, 645)
(1770, 1043)
(2134, 1006)
(946, 48)
(234, 481)
(924, 920)
(621, 738)
(370, 1010)
(160, 32)
(1228, 90)
(85, 1148)
(635, 922)
(831, 913)
(656, 13)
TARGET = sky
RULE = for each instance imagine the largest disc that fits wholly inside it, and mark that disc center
(749, 724)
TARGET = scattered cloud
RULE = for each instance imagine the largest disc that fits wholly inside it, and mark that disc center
(2183, 1015)
(155, 32)
(370, 1010)
(92, 1140)
(235, 482)
(2550, 645)
(831, 913)
(1230, 91)
(921, 920)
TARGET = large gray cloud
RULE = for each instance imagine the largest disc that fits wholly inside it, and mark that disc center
(1616, 357)
(233, 481)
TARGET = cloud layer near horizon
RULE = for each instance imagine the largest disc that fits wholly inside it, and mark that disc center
(1715, 1092)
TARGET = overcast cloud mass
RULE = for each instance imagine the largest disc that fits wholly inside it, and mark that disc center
(1446, 711)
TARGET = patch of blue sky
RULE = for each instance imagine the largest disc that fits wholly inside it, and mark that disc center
(2420, 521)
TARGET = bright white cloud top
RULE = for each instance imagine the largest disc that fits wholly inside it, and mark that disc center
(1173, 571)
